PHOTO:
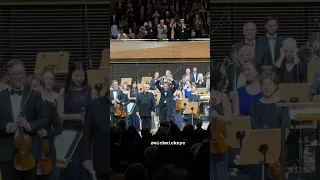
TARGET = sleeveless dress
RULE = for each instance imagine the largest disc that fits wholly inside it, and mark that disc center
(73, 103)
(133, 118)
(219, 162)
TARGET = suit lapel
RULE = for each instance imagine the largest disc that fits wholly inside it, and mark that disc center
(25, 94)
(7, 99)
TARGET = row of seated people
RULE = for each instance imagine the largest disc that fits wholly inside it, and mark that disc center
(162, 20)
(64, 108)
(255, 101)
(183, 92)
(278, 53)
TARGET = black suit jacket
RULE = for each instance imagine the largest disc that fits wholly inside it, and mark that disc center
(169, 97)
(146, 103)
(120, 96)
(279, 40)
(192, 79)
(35, 114)
(54, 128)
(96, 134)
(153, 84)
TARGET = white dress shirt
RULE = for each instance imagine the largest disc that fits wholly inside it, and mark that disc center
(272, 46)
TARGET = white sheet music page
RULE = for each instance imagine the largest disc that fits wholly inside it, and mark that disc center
(293, 112)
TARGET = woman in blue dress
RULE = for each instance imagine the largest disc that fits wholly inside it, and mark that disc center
(72, 102)
(187, 89)
(133, 118)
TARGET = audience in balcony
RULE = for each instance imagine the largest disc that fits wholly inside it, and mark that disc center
(181, 19)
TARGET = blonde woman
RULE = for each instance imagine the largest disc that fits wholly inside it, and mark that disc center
(200, 82)
(288, 66)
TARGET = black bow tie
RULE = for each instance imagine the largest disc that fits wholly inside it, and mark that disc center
(17, 92)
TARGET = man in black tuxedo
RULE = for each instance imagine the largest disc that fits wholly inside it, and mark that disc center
(167, 104)
(116, 97)
(96, 137)
(146, 105)
(194, 75)
(154, 80)
(15, 116)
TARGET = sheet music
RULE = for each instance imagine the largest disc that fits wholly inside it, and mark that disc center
(63, 143)
(293, 112)
(130, 107)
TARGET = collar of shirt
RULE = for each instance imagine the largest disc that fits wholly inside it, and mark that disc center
(246, 42)
(15, 89)
(272, 37)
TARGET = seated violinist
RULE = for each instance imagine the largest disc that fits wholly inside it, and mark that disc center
(14, 120)
(288, 66)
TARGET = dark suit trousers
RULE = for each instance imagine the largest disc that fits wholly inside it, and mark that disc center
(102, 176)
(166, 114)
(8, 172)
(115, 119)
(146, 122)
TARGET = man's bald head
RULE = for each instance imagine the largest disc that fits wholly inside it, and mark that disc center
(249, 31)
(245, 53)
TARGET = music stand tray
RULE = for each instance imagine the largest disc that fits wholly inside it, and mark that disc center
(66, 143)
(97, 76)
(239, 124)
(191, 108)
(260, 147)
(146, 79)
(58, 61)
(127, 81)
(184, 103)
(202, 91)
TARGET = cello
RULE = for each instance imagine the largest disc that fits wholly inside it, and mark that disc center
(44, 164)
(23, 160)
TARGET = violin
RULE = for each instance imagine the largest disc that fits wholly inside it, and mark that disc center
(44, 164)
(124, 111)
(117, 109)
(195, 115)
(178, 105)
(218, 143)
(23, 160)
(274, 170)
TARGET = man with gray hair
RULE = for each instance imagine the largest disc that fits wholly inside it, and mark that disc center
(22, 111)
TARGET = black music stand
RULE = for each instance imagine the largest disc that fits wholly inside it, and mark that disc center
(260, 147)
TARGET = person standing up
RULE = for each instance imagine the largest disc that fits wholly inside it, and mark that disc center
(96, 137)
(162, 30)
(72, 102)
(154, 80)
(194, 75)
(146, 105)
(116, 97)
(272, 39)
(167, 104)
(31, 118)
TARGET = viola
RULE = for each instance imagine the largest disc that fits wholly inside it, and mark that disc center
(218, 143)
(44, 164)
(178, 105)
(124, 111)
(117, 109)
(23, 159)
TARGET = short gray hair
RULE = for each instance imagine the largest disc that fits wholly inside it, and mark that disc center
(12, 63)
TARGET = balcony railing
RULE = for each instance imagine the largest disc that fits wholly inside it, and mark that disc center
(159, 49)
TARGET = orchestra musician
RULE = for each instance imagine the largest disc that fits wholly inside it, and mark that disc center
(178, 99)
(194, 96)
(31, 118)
(54, 127)
(166, 104)
(96, 136)
(126, 95)
(187, 89)
(146, 106)
(72, 103)
(154, 80)
(116, 97)
(200, 82)
(133, 118)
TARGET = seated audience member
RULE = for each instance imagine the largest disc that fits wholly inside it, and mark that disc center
(136, 171)
(243, 98)
(288, 66)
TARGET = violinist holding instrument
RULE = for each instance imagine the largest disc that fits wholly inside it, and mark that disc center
(178, 98)
(220, 113)
(117, 99)
(22, 114)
